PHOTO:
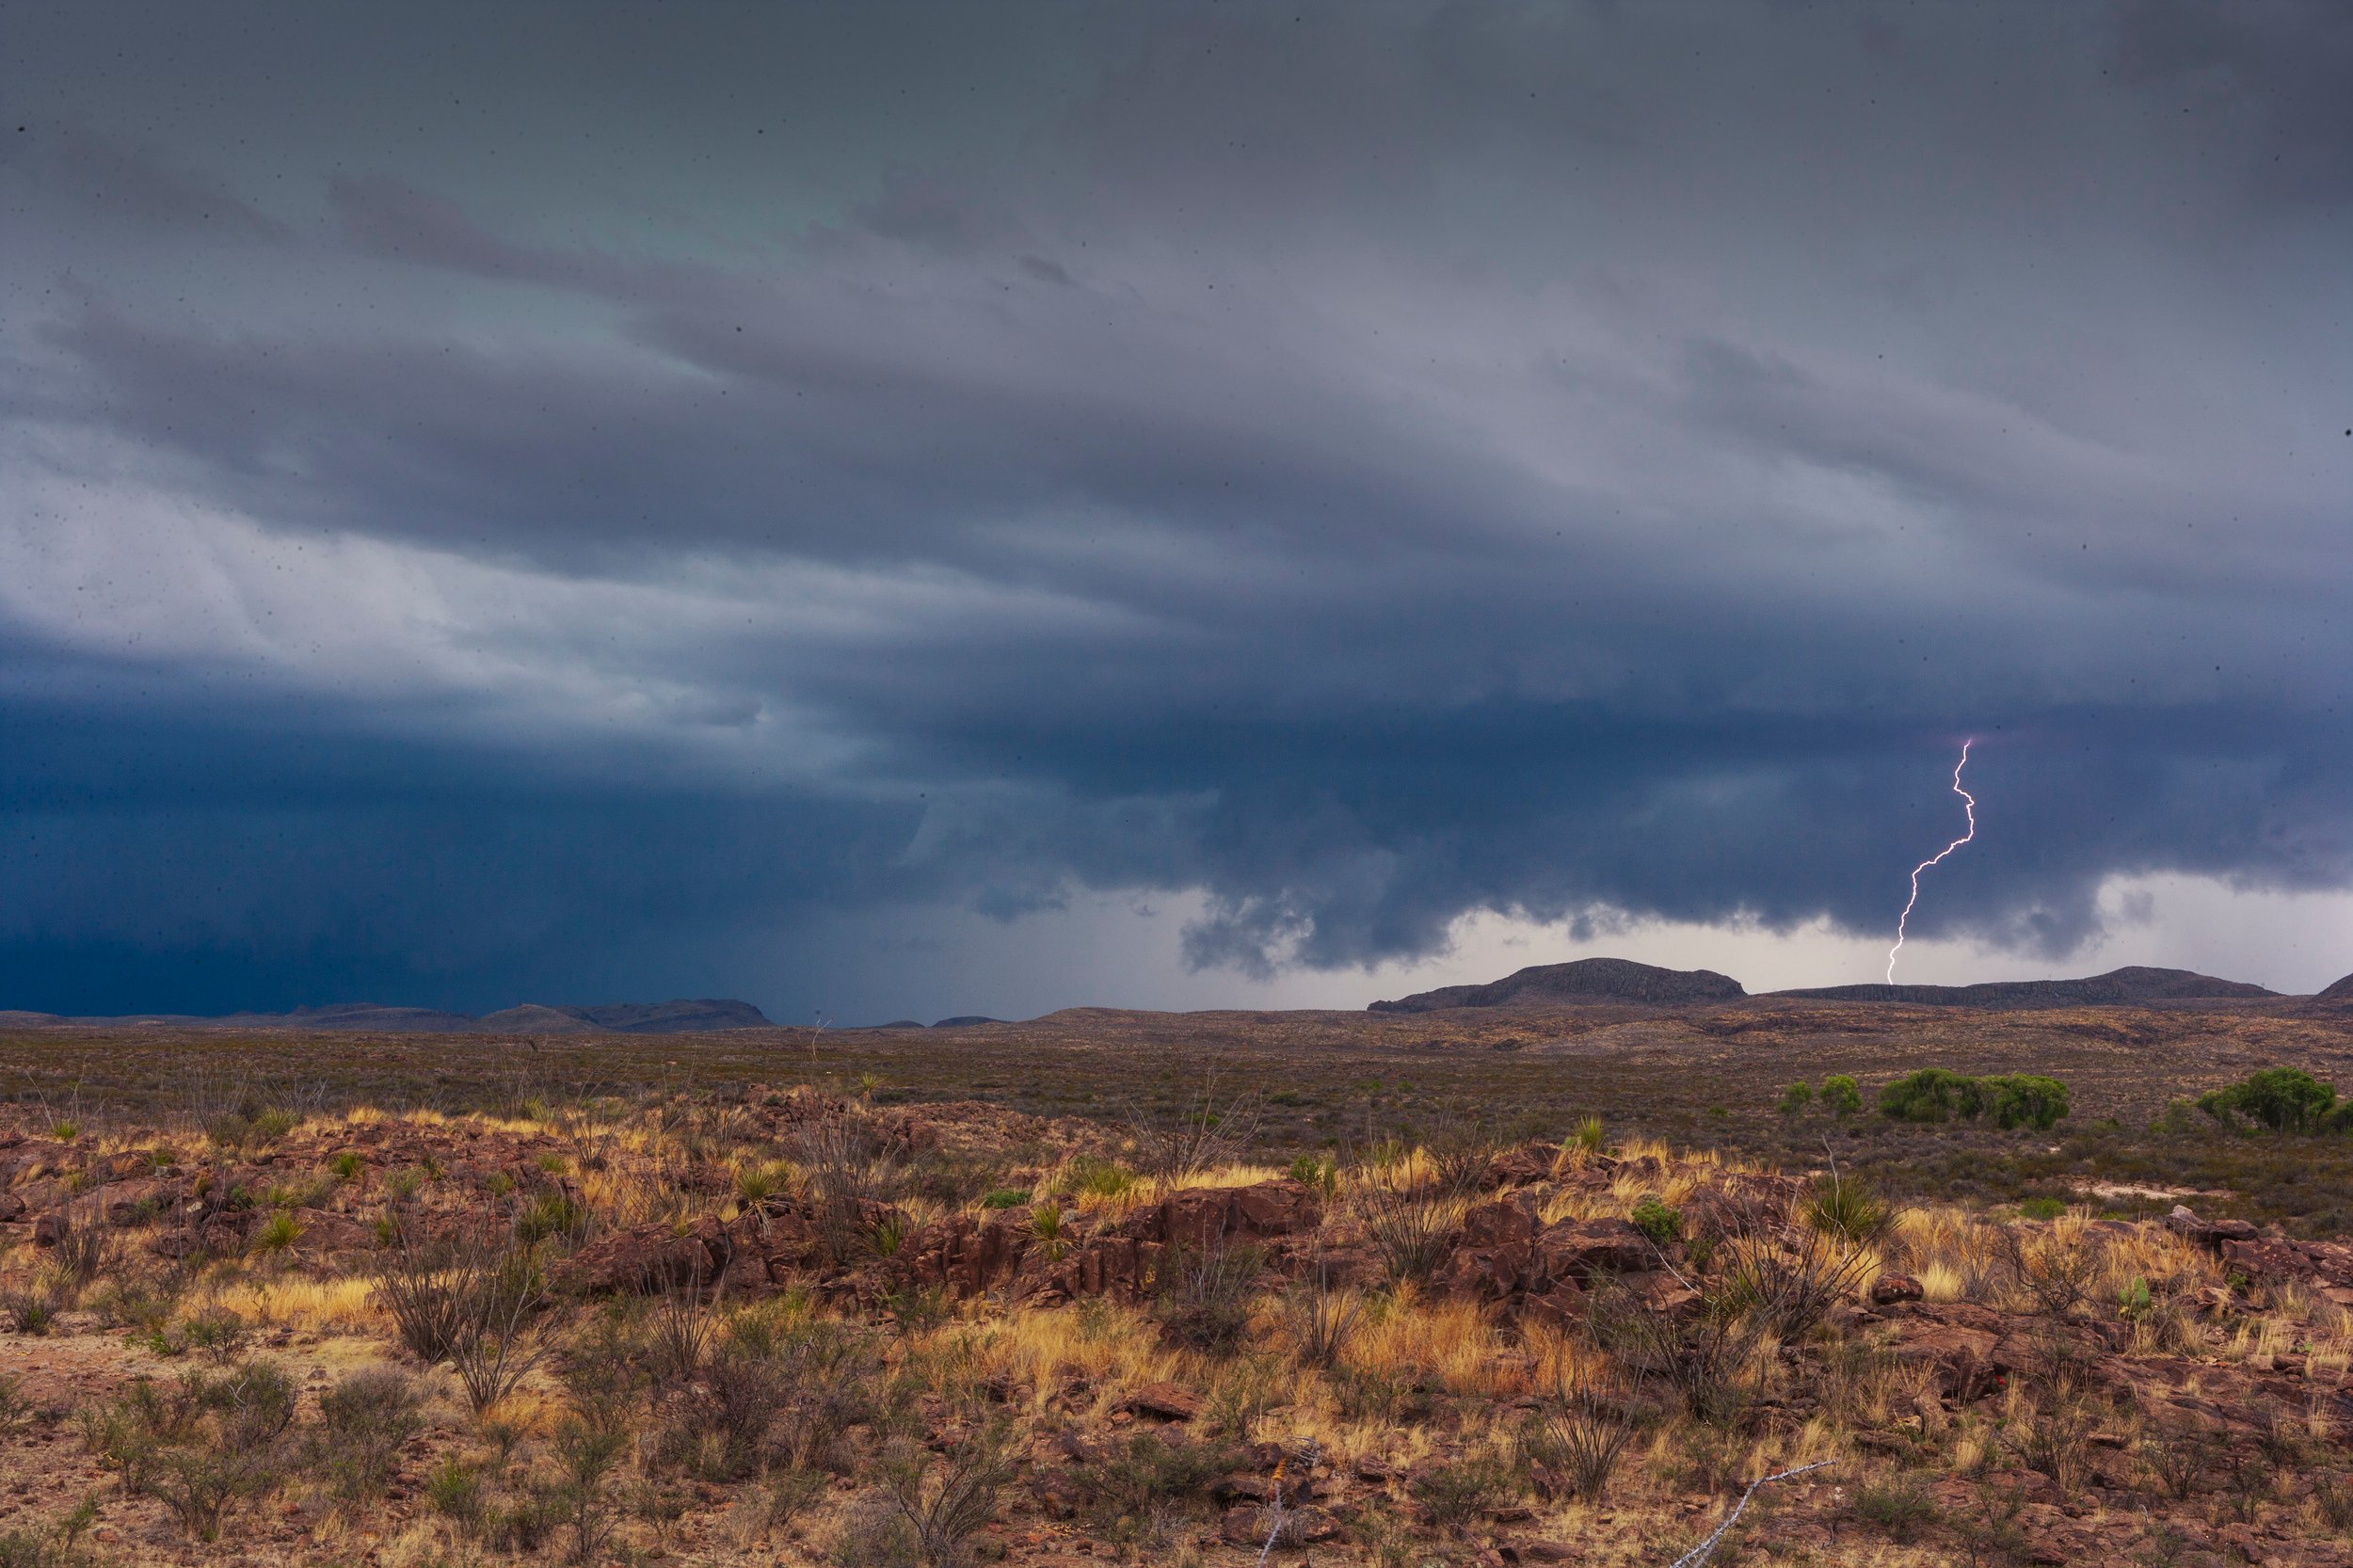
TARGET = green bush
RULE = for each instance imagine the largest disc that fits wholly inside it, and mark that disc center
(1931, 1095)
(1006, 1197)
(1796, 1098)
(1657, 1219)
(2023, 1099)
(2010, 1099)
(1841, 1096)
(2286, 1100)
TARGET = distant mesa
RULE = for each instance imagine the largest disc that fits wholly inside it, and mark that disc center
(966, 1020)
(1586, 980)
(2118, 987)
(685, 1017)
(899, 1023)
(2341, 991)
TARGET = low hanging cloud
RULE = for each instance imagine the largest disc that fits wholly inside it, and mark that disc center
(1359, 469)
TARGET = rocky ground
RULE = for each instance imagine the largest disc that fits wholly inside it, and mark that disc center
(781, 1323)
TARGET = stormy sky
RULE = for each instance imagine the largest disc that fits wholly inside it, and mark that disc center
(909, 509)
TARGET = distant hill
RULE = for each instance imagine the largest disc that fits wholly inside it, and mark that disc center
(622, 1018)
(2341, 991)
(967, 1021)
(1586, 980)
(2130, 987)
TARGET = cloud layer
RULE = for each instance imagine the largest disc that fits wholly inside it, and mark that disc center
(590, 507)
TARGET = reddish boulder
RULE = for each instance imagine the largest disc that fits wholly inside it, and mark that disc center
(1493, 1252)
(1957, 1340)
(12, 1207)
(1890, 1288)
(51, 1228)
(1167, 1402)
(1530, 1163)
(1581, 1249)
(131, 1202)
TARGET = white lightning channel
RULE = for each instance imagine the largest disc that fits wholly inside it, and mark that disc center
(1969, 804)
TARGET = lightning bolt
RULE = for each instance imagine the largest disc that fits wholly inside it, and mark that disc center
(1969, 804)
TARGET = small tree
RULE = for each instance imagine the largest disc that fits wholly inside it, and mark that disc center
(1841, 1096)
(2023, 1099)
(1931, 1095)
(1795, 1098)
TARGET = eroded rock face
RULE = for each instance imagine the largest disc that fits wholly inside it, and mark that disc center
(1204, 1217)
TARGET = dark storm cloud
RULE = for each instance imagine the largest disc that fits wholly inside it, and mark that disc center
(1368, 464)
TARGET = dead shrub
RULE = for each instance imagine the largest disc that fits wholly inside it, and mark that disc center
(945, 1500)
(1201, 1295)
(1410, 1223)
(1702, 1357)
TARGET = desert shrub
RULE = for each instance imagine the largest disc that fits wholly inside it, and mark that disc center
(2054, 1439)
(2286, 1100)
(1088, 1176)
(582, 1497)
(1703, 1359)
(1841, 1095)
(829, 1373)
(1409, 1224)
(1005, 1197)
(1659, 1221)
(1459, 1151)
(1901, 1507)
(2051, 1276)
(454, 1491)
(1147, 1470)
(506, 1327)
(1846, 1208)
(1584, 1138)
(1452, 1496)
(756, 1184)
(31, 1309)
(1796, 1099)
(1324, 1318)
(679, 1334)
(477, 1304)
(85, 1251)
(364, 1420)
(1318, 1174)
(552, 1217)
(278, 1232)
(874, 1534)
(199, 1445)
(1207, 1127)
(1786, 1281)
(347, 1165)
(1201, 1295)
(945, 1500)
(1573, 1445)
(843, 1173)
(2333, 1495)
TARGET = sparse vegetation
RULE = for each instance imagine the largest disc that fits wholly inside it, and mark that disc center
(585, 1320)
